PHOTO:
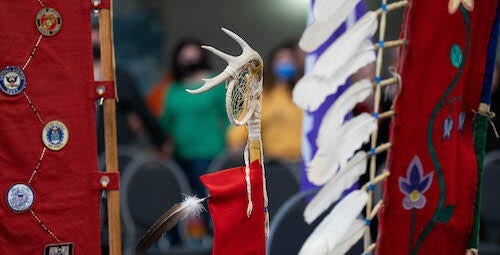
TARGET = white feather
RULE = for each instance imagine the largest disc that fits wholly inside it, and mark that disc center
(325, 10)
(342, 143)
(331, 192)
(335, 225)
(346, 46)
(356, 231)
(329, 15)
(311, 91)
(344, 104)
(193, 205)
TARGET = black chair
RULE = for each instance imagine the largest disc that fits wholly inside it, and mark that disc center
(149, 188)
(126, 154)
(490, 205)
(289, 231)
(281, 184)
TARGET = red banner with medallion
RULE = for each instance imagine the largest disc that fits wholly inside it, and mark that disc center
(48, 158)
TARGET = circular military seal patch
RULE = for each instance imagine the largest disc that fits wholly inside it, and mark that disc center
(48, 21)
(12, 80)
(20, 197)
(55, 135)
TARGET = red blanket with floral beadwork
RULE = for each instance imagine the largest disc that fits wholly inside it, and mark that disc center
(429, 197)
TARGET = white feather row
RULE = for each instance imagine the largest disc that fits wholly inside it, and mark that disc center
(331, 192)
(329, 15)
(356, 231)
(347, 55)
(342, 143)
(346, 46)
(324, 10)
(332, 230)
(335, 116)
(311, 91)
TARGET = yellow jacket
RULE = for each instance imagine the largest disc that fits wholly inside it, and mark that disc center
(281, 126)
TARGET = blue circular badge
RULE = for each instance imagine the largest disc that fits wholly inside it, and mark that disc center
(12, 80)
(55, 135)
(20, 197)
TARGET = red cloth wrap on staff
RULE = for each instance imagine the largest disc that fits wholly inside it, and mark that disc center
(234, 232)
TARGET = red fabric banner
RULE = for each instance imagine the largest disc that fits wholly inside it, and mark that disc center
(234, 232)
(59, 84)
(429, 196)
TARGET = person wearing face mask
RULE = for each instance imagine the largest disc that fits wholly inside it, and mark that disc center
(281, 118)
(196, 123)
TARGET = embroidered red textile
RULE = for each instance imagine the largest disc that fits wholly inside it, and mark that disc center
(234, 232)
(429, 196)
(60, 86)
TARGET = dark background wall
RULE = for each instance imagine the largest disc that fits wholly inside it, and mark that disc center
(147, 30)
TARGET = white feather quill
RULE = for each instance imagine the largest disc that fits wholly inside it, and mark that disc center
(325, 10)
(329, 15)
(331, 192)
(342, 143)
(335, 225)
(344, 104)
(311, 91)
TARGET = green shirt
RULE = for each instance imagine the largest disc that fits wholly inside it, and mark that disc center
(197, 123)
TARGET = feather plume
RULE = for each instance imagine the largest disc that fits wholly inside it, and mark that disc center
(325, 10)
(355, 232)
(335, 225)
(318, 32)
(329, 15)
(311, 90)
(342, 143)
(331, 192)
(335, 115)
(346, 46)
(191, 206)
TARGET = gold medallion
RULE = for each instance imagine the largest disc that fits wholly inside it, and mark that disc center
(48, 21)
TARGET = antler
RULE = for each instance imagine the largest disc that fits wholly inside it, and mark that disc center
(235, 63)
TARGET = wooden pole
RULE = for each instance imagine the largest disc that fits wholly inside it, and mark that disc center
(110, 140)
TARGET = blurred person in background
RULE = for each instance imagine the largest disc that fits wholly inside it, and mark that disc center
(196, 123)
(281, 118)
(156, 95)
(135, 124)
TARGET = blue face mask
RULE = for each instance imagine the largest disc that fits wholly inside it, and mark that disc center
(285, 70)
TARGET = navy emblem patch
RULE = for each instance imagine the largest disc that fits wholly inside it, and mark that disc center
(48, 21)
(55, 135)
(59, 249)
(20, 197)
(12, 80)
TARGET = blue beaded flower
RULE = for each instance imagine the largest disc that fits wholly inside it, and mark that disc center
(415, 185)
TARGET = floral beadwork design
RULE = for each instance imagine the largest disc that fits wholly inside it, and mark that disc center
(447, 127)
(461, 121)
(415, 185)
(454, 4)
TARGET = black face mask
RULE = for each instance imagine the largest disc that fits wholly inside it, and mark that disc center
(184, 71)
